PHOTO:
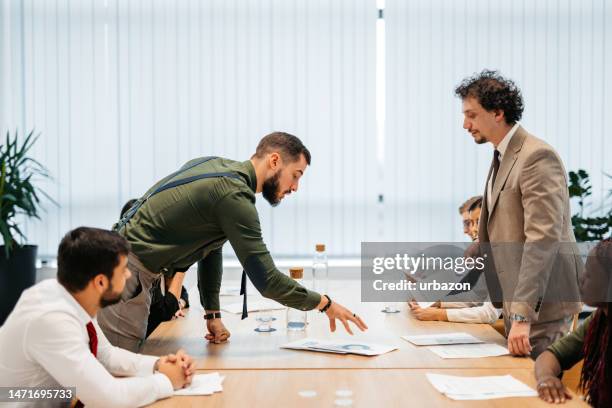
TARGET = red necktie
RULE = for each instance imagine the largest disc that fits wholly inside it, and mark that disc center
(93, 347)
(93, 339)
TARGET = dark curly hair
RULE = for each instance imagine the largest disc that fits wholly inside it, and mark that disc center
(493, 92)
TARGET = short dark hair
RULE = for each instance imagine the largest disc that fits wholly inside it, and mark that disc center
(87, 252)
(127, 206)
(493, 92)
(476, 204)
(468, 204)
(289, 146)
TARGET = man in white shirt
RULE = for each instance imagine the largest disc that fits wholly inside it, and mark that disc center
(51, 339)
(461, 312)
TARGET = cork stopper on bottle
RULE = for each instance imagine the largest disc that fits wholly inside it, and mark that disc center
(296, 273)
(320, 247)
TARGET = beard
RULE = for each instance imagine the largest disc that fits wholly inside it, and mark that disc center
(109, 297)
(270, 189)
(479, 139)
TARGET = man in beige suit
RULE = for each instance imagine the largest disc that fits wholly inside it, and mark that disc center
(525, 220)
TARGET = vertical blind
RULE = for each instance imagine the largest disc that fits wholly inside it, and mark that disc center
(558, 52)
(124, 92)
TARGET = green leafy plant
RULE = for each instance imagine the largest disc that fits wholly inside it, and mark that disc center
(18, 194)
(588, 228)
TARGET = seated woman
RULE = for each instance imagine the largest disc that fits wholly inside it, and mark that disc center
(590, 341)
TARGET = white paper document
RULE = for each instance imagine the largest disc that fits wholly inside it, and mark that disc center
(469, 350)
(339, 347)
(425, 305)
(480, 388)
(253, 306)
(203, 384)
(442, 338)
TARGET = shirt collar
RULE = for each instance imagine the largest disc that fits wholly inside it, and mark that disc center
(503, 145)
(250, 173)
(81, 314)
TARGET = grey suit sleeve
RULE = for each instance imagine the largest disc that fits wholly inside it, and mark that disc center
(544, 192)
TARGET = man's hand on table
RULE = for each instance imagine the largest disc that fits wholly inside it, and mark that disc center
(432, 313)
(217, 333)
(179, 368)
(337, 311)
(518, 339)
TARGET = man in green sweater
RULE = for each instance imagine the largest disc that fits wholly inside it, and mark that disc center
(187, 217)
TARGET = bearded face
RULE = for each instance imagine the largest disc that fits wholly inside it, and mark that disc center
(109, 297)
(271, 189)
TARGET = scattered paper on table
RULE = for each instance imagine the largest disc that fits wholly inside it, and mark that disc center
(425, 305)
(253, 306)
(480, 388)
(442, 338)
(339, 347)
(203, 384)
(469, 350)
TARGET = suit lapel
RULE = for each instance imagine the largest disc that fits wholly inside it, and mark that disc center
(506, 165)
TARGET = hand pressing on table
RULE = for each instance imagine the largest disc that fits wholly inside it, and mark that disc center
(217, 333)
(547, 371)
(518, 339)
(335, 311)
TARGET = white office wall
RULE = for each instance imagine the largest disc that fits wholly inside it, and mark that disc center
(559, 52)
(124, 92)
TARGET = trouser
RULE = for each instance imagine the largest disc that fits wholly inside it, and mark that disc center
(125, 323)
(542, 335)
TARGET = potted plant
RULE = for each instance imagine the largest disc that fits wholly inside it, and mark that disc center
(18, 196)
(598, 224)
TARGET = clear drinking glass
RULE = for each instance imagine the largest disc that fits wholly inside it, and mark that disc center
(264, 324)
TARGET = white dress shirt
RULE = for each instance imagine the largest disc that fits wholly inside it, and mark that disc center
(471, 312)
(44, 343)
(501, 148)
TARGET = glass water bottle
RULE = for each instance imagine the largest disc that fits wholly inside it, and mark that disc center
(296, 319)
(320, 270)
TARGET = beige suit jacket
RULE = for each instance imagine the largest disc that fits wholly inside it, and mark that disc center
(535, 259)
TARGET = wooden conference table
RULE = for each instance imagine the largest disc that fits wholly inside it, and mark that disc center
(258, 372)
